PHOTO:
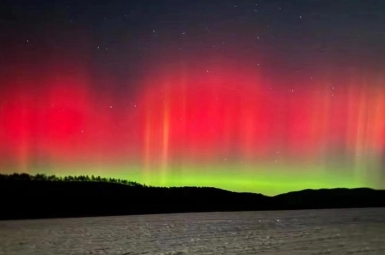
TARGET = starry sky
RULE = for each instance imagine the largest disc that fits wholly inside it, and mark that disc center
(262, 96)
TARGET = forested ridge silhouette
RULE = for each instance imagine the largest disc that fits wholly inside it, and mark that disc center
(24, 196)
(68, 178)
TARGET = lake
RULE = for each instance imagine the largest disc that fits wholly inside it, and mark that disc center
(342, 231)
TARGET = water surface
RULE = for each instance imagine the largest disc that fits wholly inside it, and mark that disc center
(344, 231)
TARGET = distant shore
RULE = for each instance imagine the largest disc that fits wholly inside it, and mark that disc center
(25, 196)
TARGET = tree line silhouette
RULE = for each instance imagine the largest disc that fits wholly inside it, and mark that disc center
(69, 178)
(26, 196)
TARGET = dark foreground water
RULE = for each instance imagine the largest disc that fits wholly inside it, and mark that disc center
(346, 231)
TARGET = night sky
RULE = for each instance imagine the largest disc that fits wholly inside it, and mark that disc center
(262, 96)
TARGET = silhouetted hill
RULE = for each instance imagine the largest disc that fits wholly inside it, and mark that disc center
(23, 198)
(331, 198)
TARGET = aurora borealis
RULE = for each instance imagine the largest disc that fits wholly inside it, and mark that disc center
(261, 96)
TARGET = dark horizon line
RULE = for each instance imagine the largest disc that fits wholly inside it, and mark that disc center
(118, 181)
(41, 196)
